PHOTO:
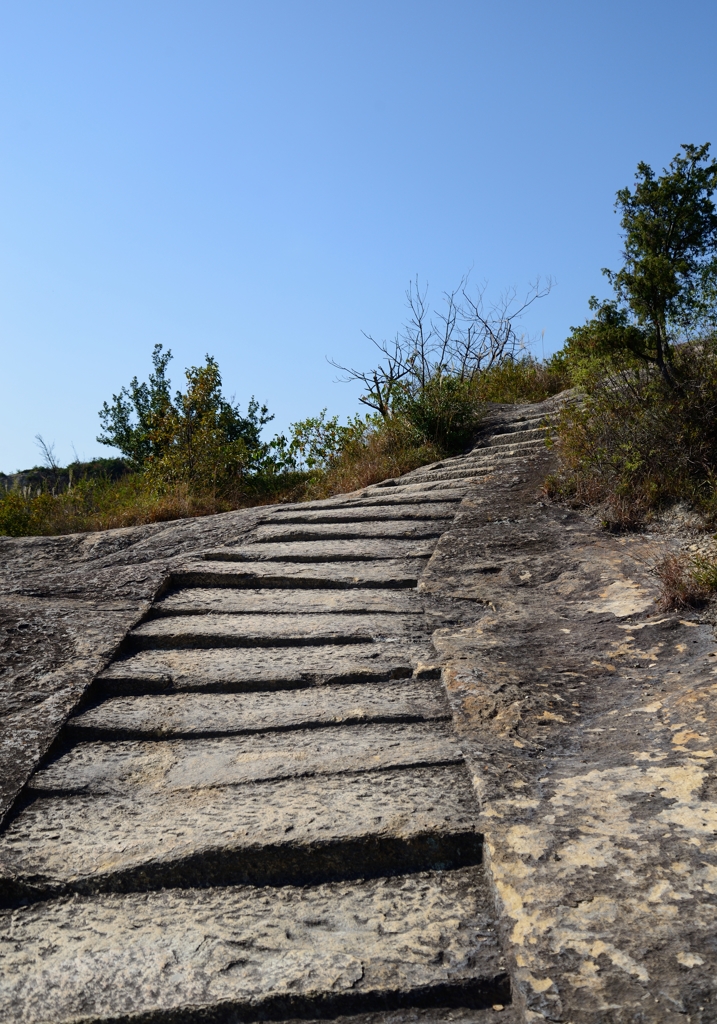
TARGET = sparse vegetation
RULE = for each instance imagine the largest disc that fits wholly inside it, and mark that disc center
(645, 435)
(688, 581)
(197, 454)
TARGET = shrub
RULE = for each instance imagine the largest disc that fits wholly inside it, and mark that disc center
(638, 442)
(687, 581)
(523, 380)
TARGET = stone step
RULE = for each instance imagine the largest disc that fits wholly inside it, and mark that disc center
(394, 573)
(425, 511)
(512, 426)
(285, 832)
(462, 472)
(325, 551)
(504, 451)
(126, 766)
(383, 529)
(248, 954)
(481, 466)
(199, 601)
(236, 670)
(195, 714)
(513, 437)
(218, 630)
(403, 489)
(484, 457)
(396, 491)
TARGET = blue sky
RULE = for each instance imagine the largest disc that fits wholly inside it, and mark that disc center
(261, 180)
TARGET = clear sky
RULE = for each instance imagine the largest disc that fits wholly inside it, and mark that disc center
(261, 180)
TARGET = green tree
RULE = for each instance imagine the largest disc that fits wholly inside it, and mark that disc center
(130, 423)
(199, 437)
(665, 290)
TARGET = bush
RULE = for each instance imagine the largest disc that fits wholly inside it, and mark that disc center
(638, 442)
(687, 581)
(445, 413)
(524, 380)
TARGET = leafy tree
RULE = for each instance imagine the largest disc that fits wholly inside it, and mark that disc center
(199, 437)
(665, 290)
(317, 442)
(130, 423)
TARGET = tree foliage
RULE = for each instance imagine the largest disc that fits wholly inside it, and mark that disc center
(198, 437)
(665, 291)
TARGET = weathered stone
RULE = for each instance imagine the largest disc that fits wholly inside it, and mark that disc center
(219, 630)
(194, 714)
(240, 670)
(370, 550)
(381, 530)
(282, 832)
(197, 601)
(122, 767)
(587, 718)
(248, 954)
(356, 513)
(399, 573)
(394, 493)
(74, 597)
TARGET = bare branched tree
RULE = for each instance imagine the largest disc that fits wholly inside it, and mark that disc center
(47, 451)
(462, 340)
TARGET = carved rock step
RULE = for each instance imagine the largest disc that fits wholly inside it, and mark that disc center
(292, 831)
(508, 450)
(251, 954)
(325, 551)
(525, 433)
(398, 491)
(355, 513)
(479, 463)
(383, 529)
(219, 630)
(126, 766)
(199, 601)
(236, 670)
(193, 714)
(516, 425)
(394, 572)
(461, 473)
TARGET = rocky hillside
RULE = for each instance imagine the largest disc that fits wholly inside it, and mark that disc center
(424, 752)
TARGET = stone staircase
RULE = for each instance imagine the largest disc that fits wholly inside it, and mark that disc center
(260, 811)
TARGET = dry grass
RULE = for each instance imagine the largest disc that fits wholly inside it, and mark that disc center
(131, 501)
(390, 449)
(687, 581)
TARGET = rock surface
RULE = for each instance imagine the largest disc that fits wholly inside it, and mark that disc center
(251, 763)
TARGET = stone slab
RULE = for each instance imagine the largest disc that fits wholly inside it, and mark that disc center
(263, 668)
(249, 954)
(292, 831)
(589, 719)
(199, 600)
(194, 714)
(356, 513)
(391, 492)
(383, 529)
(370, 550)
(218, 630)
(390, 573)
(499, 1013)
(125, 766)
